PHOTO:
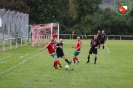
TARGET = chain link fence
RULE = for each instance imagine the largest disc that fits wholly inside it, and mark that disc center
(14, 28)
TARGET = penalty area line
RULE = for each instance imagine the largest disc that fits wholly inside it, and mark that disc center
(7, 70)
(107, 48)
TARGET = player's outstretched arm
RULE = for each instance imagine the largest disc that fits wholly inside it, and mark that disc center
(73, 46)
(43, 49)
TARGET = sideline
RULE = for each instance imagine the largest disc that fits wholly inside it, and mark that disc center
(107, 48)
(7, 70)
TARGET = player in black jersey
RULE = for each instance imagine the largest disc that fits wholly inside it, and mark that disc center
(103, 39)
(93, 49)
(99, 37)
(59, 51)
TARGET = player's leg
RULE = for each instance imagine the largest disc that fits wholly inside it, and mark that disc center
(95, 59)
(75, 59)
(56, 62)
(64, 57)
(103, 44)
(88, 59)
(99, 45)
(95, 53)
(90, 52)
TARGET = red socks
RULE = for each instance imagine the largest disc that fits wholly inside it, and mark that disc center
(56, 62)
(75, 59)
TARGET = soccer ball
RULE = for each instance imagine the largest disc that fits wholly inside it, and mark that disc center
(67, 67)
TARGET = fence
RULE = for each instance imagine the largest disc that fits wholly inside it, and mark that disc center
(14, 30)
(109, 37)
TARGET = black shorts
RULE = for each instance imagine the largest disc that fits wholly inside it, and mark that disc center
(102, 42)
(94, 51)
(60, 54)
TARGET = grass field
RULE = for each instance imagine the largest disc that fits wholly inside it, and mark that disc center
(26, 67)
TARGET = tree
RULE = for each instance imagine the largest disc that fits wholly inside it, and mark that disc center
(17, 5)
(47, 11)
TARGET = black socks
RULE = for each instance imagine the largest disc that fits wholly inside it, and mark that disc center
(67, 61)
(103, 47)
(88, 58)
(95, 60)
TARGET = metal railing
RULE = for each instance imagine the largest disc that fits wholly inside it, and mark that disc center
(14, 25)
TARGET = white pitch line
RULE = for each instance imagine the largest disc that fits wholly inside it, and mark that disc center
(7, 70)
(20, 63)
(24, 56)
(5, 58)
(21, 56)
(107, 48)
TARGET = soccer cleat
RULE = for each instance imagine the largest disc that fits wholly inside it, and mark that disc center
(94, 62)
(56, 68)
(60, 66)
(87, 62)
(70, 62)
(77, 62)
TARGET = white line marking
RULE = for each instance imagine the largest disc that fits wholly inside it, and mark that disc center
(24, 56)
(2, 62)
(21, 56)
(13, 54)
(107, 48)
(7, 70)
(5, 58)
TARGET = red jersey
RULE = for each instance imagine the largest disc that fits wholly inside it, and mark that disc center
(79, 43)
(50, 47)
(55, 36)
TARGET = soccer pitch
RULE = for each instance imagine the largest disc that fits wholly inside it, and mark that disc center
(26, 67)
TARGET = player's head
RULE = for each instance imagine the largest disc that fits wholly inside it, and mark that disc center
(98, 31)
(95, 37)
(78, 38)
(61, 40)
(52, 40)
(102, 31)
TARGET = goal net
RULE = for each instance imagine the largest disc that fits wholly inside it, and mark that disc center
(43, 33)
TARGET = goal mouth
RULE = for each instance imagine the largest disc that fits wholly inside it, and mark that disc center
(42, 33)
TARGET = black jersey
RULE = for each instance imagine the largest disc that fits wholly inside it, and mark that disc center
(103, 37)
(59, 49)
(98, 36)
(94, 43)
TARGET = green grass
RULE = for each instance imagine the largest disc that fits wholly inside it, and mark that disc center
(25, 67)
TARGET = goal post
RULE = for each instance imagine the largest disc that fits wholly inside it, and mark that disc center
(55, 29)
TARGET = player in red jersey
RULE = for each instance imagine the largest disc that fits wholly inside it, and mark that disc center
(51, 49)
(77, 50)
(55, 36)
